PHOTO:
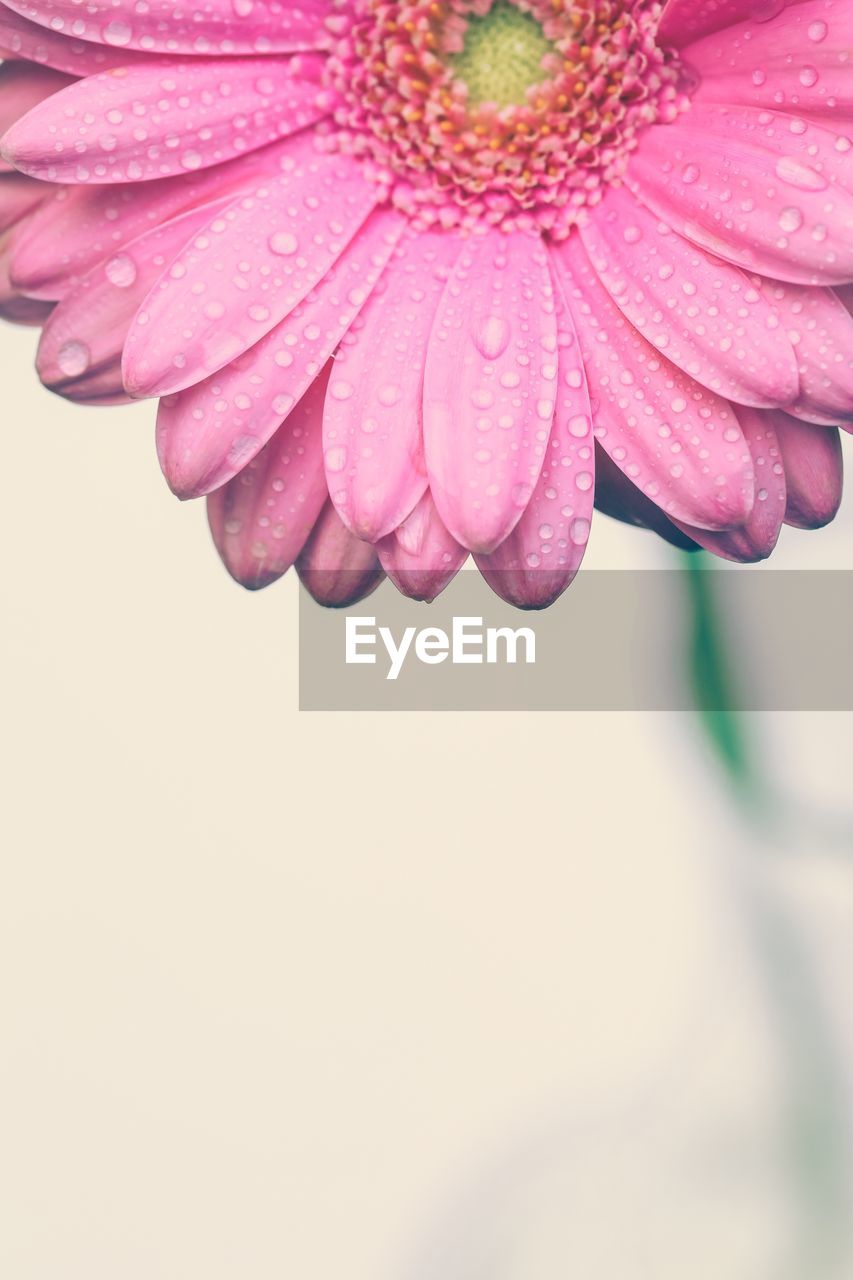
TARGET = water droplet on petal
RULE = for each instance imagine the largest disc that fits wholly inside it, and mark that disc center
(283, 243)
(491, 337)
(791, 219)
(579, 532)
(121, 271)
(336, 459)
(791, 170)
(73, 358)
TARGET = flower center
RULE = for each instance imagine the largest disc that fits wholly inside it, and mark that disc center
(502, 57)
(512, 113)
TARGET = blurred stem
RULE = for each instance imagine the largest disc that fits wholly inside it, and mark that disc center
(817, 1102)
(714, 683)
(717, 697)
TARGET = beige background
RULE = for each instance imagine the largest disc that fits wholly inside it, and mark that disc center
(364, 996)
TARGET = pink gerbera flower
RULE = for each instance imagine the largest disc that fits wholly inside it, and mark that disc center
(403, 271)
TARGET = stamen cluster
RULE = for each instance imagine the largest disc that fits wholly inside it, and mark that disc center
(453, 158)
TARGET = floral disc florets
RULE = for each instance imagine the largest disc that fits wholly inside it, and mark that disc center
(508, 112)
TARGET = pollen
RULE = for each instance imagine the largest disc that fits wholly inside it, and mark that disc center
(508, 113)
(503, 56)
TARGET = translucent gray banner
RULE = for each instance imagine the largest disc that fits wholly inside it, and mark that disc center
(616, 641)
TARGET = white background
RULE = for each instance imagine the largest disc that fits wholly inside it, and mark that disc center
(449, 997)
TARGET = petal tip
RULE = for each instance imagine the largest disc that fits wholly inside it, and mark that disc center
(335, 589)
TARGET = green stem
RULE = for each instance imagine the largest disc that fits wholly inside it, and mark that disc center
(714, 683)
(817, 1109)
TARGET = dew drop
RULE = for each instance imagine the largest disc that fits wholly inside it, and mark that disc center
(791, 219)
(121, 271)
(796, 174)
(283, 243)
(491, 337)
(336, 459)
(73, 358)
(117, 33)
(579, 532)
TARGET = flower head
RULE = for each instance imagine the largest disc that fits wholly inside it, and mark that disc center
(406, 274)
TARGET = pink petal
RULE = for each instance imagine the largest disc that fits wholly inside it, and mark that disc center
(845, 297)
(542, 555)
(845, 294)
(686, 20)
(799, 62)
(22, 86)
(709, 176)
(703, 314)
(373, 422)
(488, 387)
(208, 432)
(79, 354)
(261, 519)
(209, 28)
(757, 537)
(814, 471)
(421, 557)
(618, 498)
(79, 226)
(13, 306)
(680, 444)
(335, 566)
(19, 196)
(193, 115)
(20, 38)
(247, 270)
(821, 330)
